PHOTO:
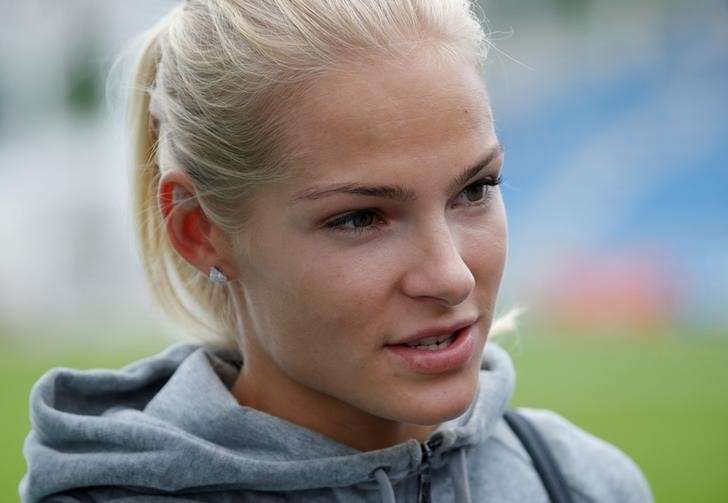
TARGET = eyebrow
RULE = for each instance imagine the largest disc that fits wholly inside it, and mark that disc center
(397, 192)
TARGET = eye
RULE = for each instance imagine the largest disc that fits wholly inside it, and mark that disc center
(364, 221)
(478, 192)
(359, 221)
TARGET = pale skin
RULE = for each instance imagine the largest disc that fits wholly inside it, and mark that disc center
(317, 305)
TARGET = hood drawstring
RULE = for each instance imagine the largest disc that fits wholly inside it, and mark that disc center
(385, 485)
(458, 474)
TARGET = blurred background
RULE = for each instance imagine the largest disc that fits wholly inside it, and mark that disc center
(614, 117)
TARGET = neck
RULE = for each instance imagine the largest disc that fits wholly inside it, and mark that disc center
(303, 406)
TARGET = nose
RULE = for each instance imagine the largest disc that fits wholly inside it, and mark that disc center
(437, 269)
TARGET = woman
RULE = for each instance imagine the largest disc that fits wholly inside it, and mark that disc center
(316, 184)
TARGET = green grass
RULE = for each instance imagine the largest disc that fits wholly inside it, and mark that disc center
(662, 401)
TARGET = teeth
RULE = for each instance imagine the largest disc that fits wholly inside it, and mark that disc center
(432, 343)
(426, 342)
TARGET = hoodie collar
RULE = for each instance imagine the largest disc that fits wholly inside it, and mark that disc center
(197, 399)
(178, 405)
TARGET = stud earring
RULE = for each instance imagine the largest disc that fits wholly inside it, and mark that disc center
(217, 276)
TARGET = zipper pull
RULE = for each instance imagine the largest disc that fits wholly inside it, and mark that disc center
(425, 476)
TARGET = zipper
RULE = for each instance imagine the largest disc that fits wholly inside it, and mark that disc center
(425, 475)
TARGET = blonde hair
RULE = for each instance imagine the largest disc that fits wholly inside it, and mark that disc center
(210, 92)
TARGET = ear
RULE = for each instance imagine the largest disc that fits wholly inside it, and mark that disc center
(192, 235)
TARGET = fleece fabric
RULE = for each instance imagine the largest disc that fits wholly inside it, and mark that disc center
(167, 429)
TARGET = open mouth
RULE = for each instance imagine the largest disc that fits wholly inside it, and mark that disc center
(434, 343)
(436, 355)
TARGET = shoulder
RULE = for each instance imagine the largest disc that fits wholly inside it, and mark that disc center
(593, 467)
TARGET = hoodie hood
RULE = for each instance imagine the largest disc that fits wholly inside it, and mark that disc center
(169, 423)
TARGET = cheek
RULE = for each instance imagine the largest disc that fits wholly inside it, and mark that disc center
(321, 300)
(331, 326)
(346, 289)
(485, 249)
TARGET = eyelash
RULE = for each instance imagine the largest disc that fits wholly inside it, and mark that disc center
(337, 225)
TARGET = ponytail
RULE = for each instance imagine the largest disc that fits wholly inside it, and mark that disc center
(163, 266)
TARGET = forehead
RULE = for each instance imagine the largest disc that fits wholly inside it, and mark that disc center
(390, 114)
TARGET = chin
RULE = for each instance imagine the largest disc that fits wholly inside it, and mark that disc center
(438, 403)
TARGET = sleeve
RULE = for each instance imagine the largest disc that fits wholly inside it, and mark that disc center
(596, 470)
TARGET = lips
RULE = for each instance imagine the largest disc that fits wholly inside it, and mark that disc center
(436, 333)
(452, 357)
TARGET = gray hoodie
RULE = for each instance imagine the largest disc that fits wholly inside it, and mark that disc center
(166, 428)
